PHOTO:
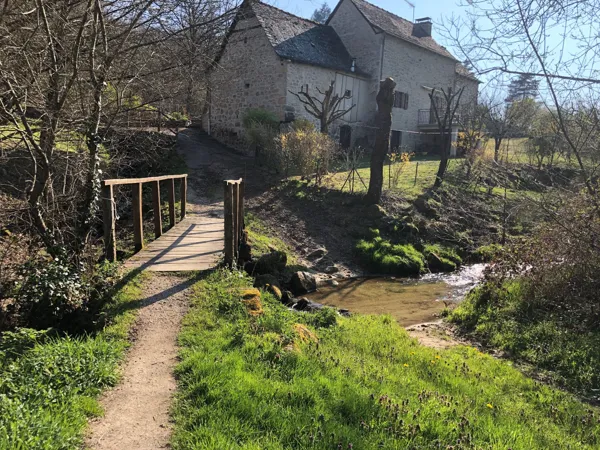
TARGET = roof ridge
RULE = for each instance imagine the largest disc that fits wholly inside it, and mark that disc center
(385, 11)
(285, 12)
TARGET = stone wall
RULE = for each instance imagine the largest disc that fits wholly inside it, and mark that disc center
(415, 70)
(249, 75)
(303, 76)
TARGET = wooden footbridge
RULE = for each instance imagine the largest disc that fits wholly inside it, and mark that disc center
(195, 240)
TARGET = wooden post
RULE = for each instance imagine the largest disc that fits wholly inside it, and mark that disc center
(236, 218)
(138, 230)
(183, 197)
(171, 195)
(241, 207)
(157, 211)
(228, 206)
(416, 172)
(158, 119)
(110, 244)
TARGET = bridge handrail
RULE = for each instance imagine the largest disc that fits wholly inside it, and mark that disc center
(108, 208)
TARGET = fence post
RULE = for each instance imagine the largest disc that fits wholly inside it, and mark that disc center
(241, 207)
(171, 195)
(157, 212)
(228, 216)
(183, 197)
(108, 213)
(416, 173)
(138, 223)
(236, 218)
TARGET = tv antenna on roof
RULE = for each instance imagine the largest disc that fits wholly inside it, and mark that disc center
(412, 5)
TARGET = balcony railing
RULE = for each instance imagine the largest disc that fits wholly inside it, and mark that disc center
(427, 117)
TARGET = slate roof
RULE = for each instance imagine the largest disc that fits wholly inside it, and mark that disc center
(303, 40)
(398, 27)
(463, 71)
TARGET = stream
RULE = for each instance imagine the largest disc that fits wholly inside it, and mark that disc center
(410, 301)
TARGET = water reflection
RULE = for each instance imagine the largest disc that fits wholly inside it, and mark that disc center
(409, 301)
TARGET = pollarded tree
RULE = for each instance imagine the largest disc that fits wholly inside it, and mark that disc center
(327, 110)
(445, 108)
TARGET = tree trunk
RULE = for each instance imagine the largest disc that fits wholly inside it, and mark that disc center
(497, 142)
(446, 143)
(324, 126)
(385, 101)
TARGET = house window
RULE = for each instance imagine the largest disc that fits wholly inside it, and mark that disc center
(304, 88)
(348, 93)
(245, 40)
(400, 100)
(247, 85)
(396, 139)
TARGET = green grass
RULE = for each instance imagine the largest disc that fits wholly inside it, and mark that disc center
(508, 318)
(406, 181)
(66, 141)
(49, 384)
(381, 256)
(251, 382)
(262, 239)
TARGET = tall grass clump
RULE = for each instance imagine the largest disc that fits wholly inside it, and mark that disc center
(381, 256)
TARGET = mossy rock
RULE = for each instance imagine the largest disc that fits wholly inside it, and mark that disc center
(381, 256)
(264, 280)
(486, 253)
(271, 263)
(251, 299)
(441, 259)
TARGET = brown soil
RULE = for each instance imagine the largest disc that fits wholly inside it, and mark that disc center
(434, 334)
(136, 412)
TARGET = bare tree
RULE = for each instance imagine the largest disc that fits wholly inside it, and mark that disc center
(445, 115)
(519, 37)
(385, 101)
(327, 110)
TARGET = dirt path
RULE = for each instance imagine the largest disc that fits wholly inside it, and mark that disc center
(136, 412)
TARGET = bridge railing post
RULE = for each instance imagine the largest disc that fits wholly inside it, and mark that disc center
(108, 213)
(234, 219)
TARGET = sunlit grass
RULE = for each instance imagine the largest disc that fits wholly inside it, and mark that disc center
(48, 385)
(257, 382)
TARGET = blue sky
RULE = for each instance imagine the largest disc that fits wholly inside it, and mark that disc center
(423, 8)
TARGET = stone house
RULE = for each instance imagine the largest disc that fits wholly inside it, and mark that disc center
(268, 54)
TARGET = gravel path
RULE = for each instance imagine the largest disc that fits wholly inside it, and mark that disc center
(136, 412)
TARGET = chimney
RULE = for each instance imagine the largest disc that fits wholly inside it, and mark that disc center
(422, 27)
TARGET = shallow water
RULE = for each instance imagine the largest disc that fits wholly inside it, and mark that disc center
(410, 301)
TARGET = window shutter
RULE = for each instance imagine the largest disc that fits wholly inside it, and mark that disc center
(405, 101)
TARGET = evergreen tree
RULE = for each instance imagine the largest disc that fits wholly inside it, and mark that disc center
(523, 87)
(321, 14)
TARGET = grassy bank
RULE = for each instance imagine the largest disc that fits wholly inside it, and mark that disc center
(277, 379)
(49, 383)
(557, 345)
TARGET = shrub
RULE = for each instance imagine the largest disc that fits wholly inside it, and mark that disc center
(381, 256)
(306, 151)
(486, 253)
(303, 124)
(441, 259)
(261, 117)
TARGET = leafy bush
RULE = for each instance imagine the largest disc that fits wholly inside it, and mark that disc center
(381, 256)
(260, 117)
(306, 152)
(441, 259)
(56, 293)
(540, 301)
(486, 253)
(177, 116)
(303, 124)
